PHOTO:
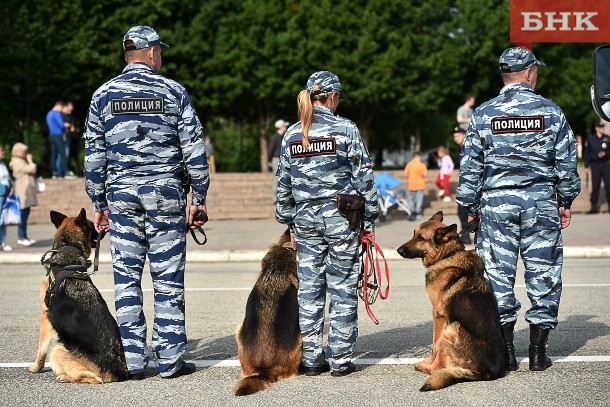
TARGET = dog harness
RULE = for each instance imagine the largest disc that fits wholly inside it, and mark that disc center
(58, 273)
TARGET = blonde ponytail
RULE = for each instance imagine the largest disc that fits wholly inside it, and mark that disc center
(305, 108)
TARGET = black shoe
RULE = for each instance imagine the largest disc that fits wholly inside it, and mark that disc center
(185, 369)
(592, 211)
(316, 370)
(537, 352)
(351, 368)
(136, 376)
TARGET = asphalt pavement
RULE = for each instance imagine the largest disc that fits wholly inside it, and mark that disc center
(248, 240)
(216, 294)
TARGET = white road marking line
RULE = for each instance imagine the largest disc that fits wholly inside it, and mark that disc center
(359, 361)
(111, 290)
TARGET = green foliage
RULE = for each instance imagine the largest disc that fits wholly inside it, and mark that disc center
(406, 65)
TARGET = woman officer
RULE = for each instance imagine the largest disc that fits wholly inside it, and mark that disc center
(322, 156)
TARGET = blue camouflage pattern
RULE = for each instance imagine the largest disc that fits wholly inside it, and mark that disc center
(143, 36)
(327, 249)
(324, 82)
(141, 130)
(516, 59)
(518, 166)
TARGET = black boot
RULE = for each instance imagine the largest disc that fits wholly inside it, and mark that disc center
(594, 209)
(538, 358)
(508, 333)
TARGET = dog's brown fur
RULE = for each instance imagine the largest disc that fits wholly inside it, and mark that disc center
(467, 341)
(269, 340)
(77, 328)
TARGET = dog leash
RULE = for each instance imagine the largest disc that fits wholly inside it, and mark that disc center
(370, 276)
(471, 227)
(96, 257)
(198, 216)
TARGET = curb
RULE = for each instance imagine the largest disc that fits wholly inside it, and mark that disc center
(235, 256)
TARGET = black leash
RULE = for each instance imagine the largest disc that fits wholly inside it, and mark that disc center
(471, 227)
(199, 216)
(96, 258)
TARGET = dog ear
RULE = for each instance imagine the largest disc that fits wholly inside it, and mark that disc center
(438, 216)
(81, 219)
(445, 233)
(57, 218)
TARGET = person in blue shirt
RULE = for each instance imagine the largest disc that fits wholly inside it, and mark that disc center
(57, 127)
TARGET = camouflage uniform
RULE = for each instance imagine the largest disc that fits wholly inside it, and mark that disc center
(141, 130)
(327, 249)
(518, 166)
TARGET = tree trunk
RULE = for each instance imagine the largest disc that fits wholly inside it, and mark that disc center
(263, 122)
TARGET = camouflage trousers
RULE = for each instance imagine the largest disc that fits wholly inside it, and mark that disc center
(327, 254)
(149, 220)
(524, 221)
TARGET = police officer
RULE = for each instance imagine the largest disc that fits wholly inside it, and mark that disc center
(141, 131)
(518, 174)
(323, 155)
(597, 162)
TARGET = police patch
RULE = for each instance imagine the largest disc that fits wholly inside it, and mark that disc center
(137, 106)
(517, 124)
(320, 146)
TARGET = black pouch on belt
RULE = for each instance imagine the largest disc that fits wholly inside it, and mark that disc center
(185, 179)
(352, 207)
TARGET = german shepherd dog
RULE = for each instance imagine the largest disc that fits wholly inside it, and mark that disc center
(75, 323)
(269, 342)
(467, 342)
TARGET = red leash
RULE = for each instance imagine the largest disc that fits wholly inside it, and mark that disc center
(370, 277)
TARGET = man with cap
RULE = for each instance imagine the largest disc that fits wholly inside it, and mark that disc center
(273, 152)
(322, 156)
(597, 163)
(141, 133)
(518, 175)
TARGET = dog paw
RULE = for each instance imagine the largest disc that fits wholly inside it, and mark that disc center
(62, 378)
(35, 368)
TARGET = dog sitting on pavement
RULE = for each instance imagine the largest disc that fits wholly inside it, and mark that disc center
(269, 340)
(75, 323)
(467, 339)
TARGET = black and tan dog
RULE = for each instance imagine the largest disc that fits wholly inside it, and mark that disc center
(269, 340)
(75, 324)
(467, 342)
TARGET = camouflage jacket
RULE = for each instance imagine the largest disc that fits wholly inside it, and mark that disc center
(337, 163)
(515, 140)
(141, 128)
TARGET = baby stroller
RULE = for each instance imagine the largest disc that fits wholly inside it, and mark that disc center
(389, 199)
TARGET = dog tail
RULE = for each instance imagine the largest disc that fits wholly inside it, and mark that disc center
(252, 384)
(446, 377)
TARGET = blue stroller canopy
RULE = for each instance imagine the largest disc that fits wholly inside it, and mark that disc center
(385, 181)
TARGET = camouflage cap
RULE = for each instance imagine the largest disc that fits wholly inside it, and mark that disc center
(142, 36)
(323, 82)
(517, 59)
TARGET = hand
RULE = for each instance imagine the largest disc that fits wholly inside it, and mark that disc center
(29, 158)
(587, 170)
(471, 218)
(100, 221)
(565, 215)
(601, 154)
(197, 223)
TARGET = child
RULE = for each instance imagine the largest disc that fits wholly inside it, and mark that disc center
(445, 163)
(416, 171)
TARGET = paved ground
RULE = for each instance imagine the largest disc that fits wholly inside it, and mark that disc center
(215, 301)
(239, 240)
